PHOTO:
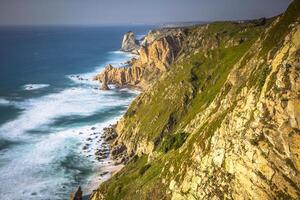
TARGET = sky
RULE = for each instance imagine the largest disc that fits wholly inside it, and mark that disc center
(93, 12)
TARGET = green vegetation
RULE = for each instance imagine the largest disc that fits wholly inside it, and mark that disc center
(144, 169)
(137, 180)
(188, 88)
(173, 141)
(258, 76)
(277, 33)
(265, 70)
(193, 82)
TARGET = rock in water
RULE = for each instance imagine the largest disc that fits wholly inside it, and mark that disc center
(104, 86)
(129, 42)
(76, 195)
(104, 82)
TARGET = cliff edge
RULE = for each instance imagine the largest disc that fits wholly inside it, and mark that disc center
(221, 122)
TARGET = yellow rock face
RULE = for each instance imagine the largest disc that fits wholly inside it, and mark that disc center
(257, 144)
(243, 144)
(159, 51)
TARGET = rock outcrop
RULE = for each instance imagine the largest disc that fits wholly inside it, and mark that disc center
(222, 123)
(105, 80)
(129, 43)
(121, 76)
(159, 50)
(77, 195)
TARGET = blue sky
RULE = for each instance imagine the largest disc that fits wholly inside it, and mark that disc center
(87, 12)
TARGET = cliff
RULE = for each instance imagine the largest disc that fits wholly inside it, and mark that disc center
(157, 52)
(223, 122)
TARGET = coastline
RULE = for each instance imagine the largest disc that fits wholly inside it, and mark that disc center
(132, 75)
(51, 116)
(101, 149)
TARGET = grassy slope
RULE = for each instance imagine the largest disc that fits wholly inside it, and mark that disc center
(176, 99)
(182, 84)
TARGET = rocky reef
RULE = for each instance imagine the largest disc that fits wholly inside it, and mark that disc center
(222, 118)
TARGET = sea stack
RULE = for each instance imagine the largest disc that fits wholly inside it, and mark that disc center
(104, 82)
(129, 43)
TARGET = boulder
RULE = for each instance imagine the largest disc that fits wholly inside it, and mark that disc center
(118, 150)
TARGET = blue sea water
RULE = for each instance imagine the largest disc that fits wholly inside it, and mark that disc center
(46, 113)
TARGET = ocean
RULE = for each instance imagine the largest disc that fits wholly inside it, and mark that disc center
(47, 113)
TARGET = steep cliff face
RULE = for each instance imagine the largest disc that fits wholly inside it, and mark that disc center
(160, 48)
(223, 122)
(158, 51)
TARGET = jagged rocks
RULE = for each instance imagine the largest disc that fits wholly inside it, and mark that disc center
(162, 52)
(117, 150)
(119, 154)
(110, 133)
(101, 154)
(77, 195)
(121, 76)
(129, 42)
(104, 82)
(159, 50)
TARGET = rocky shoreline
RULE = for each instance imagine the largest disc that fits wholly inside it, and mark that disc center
(223, 123)
(155, 53)
(96, 145)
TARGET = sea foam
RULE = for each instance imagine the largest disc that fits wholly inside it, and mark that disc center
(35, 86)
(73, 101)
(4, 101)
(52, 162)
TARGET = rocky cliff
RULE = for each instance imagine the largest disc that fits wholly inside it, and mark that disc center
(223, 122)
(157, 52)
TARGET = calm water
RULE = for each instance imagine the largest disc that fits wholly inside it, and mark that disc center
(43, 108)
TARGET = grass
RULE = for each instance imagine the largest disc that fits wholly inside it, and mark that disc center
(177, 97)
(217, 69)
(144, 169)
(264, 72)
(137, 180)
(258, 77)
(172, 103)
(277, 33)
(173, 141)
(161, 113)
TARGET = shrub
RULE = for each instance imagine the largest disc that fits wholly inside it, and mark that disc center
(173, 141)
(263, 75)
(144, 169)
